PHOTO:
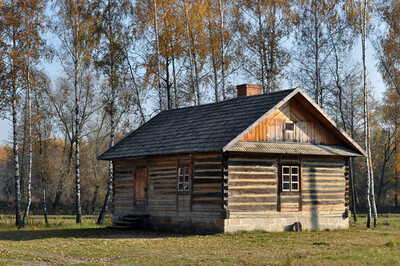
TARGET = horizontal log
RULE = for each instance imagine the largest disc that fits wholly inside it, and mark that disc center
(234, 191)
(251, 208)
(207, 194)
(123, 197)
(200, 208)
(164, 187)
(247, 175)
(271, 199)
(240, 156)
(154, 202)
(252, 169)
(165, 174)
(162, 208)
(155, 170)
(208, 173)
(322, 196)
(251, 163)
(164, 182)
(207, 166)
(252, 182)
(208, 160)
(323, 202)
(207, 180)
(321, 191)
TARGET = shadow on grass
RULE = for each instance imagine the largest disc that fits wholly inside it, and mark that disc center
(25, 235)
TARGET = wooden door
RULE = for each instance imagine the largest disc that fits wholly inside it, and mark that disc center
(140, 187)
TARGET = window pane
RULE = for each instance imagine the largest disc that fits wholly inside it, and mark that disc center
(186, 178)
(180, 171)
(294, 178)
(295, 186)
(186, 187)
(286, 178)
(180, 179)
(186, 170)
(180, 188)
(295, 170)
(286, 170)
(286, 186)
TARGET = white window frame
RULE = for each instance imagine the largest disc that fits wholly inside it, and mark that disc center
(184, 178)
(290, 181)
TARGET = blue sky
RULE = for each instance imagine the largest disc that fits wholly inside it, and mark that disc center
(54, 70)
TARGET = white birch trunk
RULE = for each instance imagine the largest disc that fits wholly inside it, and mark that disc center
(190, 53)
(158, 55)
(77, 123)
(222, 28)
(29, 181)
(367, 162)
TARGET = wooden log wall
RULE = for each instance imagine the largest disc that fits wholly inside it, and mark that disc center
(123, 195)
(324, 184)
(205, 199)
(306, 129)
(252, 183)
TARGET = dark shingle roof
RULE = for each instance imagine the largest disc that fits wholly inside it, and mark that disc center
(200, 128)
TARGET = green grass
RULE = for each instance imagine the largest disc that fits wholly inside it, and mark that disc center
(64, 242)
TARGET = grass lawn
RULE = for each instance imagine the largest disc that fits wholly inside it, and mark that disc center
(64, 242)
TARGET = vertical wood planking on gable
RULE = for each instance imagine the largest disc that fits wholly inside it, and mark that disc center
(306, 128)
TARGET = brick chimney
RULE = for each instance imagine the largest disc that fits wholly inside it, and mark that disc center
(249, 89)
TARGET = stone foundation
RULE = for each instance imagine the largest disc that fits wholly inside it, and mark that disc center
(188, 224)
(281, 221)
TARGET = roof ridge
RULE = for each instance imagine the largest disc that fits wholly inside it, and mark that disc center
(228, 100)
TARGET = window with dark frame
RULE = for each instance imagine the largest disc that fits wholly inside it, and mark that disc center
(290, 178)
(184, 178)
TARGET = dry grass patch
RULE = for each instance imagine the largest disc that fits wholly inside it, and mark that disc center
(63, 242)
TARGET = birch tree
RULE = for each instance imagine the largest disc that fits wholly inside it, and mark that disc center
(110, 60)
(21, 23)
(359, 18)
(74, 27)
(264, 26)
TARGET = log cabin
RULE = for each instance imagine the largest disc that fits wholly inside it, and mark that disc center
(258, 161)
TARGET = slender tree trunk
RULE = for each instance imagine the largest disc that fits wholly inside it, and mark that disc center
(176, 98)
(77, 123)
(112, 82)
(193, 90)
(168, 83)
(42, 176)
(213, 61)
(139, 104)
(396, 191)
(271, 50)
(353, 194)
(15, 152)
(367, 162)
(106, 204)
(197, 78)
(29, 190)
(261, 46)
(317, 74)
(373, 202)
(222, 28)
(158, 55)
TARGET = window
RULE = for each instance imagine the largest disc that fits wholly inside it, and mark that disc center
(184, 178)
(289, 126)
(290, 178)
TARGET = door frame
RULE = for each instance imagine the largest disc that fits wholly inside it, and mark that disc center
(146, 181)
